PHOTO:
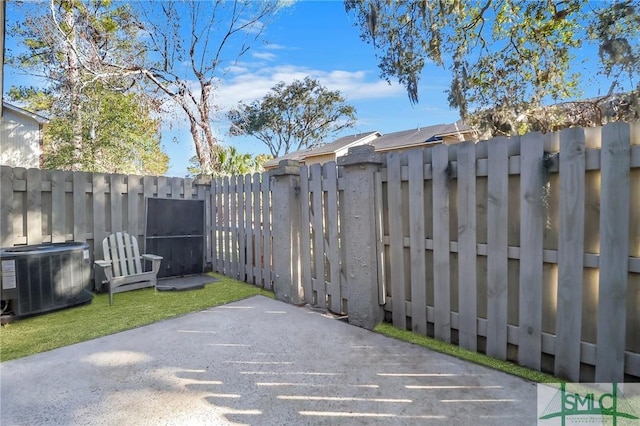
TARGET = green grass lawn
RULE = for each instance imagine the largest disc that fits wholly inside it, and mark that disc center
(461, 353)
(129, 310)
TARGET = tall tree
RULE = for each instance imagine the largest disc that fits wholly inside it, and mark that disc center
(290, 117)
(193, 44)
(73, 46)
(507, 58)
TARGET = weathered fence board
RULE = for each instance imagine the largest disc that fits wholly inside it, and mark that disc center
(614, 252)
(396, 239)
(333, 252)
(226, 252)
(256, 230)
(441, 255)
(58, 208)
(317, 220)
(531, 231)
(417, 245)
(570, 254)
(242, 230)
(266, 232)
(79, 206)
(248, 200)
(233, 207)
(34, 207)
(467, 276)
(497, 248)
(305, 236)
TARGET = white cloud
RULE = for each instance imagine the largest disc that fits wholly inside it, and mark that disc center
(248, 82)
(264, 55)
(250, 86)
(275, 46)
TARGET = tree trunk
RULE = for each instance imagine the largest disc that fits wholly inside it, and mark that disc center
(75, 88)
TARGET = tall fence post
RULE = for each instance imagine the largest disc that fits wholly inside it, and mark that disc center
(286, 231)
(359, 235)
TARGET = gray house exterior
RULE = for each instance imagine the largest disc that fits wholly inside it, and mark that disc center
(21, 134)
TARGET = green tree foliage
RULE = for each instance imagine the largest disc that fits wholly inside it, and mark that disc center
(230, 163)
(121, 135)
(290, 117)
(97, 122)
(507, 58)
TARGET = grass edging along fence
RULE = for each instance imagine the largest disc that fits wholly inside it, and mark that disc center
(130, 310)
(464, 354)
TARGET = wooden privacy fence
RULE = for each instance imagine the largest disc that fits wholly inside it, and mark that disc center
(50, 206)
(241, 228)
(525, 248)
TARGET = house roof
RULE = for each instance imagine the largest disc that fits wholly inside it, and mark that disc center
(419, 136)
(17, 110)
(329, 148)
(402, 139)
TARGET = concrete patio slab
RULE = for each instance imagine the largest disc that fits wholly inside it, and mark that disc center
(261, 362)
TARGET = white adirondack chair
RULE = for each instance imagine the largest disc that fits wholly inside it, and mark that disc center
(123, 265)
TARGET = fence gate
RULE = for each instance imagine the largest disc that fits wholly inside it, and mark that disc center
(175, 231)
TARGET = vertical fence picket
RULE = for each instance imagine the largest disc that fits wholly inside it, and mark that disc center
(497, 249)
(208, 193)
(242, 232)
(570, 254)
(305, 236)
(58, 208)
(248, 200)
(220, 226)
(233, 206)
(614, 252)
(266, 231)
(226, 252)
(7, 235)
(417, 244)
(333, 254)
(441, 252)
(149, 188)
(531, 229)
(34, 207)
(175, 188)
(115, 192)
(133, 206)
(99, 210)
(163, 187)
(318, 234)
(467, 256)
(79, 206)
(396, 240)
(257, 230)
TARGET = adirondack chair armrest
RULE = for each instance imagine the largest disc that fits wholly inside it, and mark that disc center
(152, 257)
(155, 261)
(106, 267)
(103, 263)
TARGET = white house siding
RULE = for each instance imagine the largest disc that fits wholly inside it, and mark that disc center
(19, 140)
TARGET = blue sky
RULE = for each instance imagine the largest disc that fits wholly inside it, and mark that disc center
(316, 39)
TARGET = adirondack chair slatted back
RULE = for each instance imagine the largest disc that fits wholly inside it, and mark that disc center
(122, 250)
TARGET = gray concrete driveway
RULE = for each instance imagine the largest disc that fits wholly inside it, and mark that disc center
(260, 362)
